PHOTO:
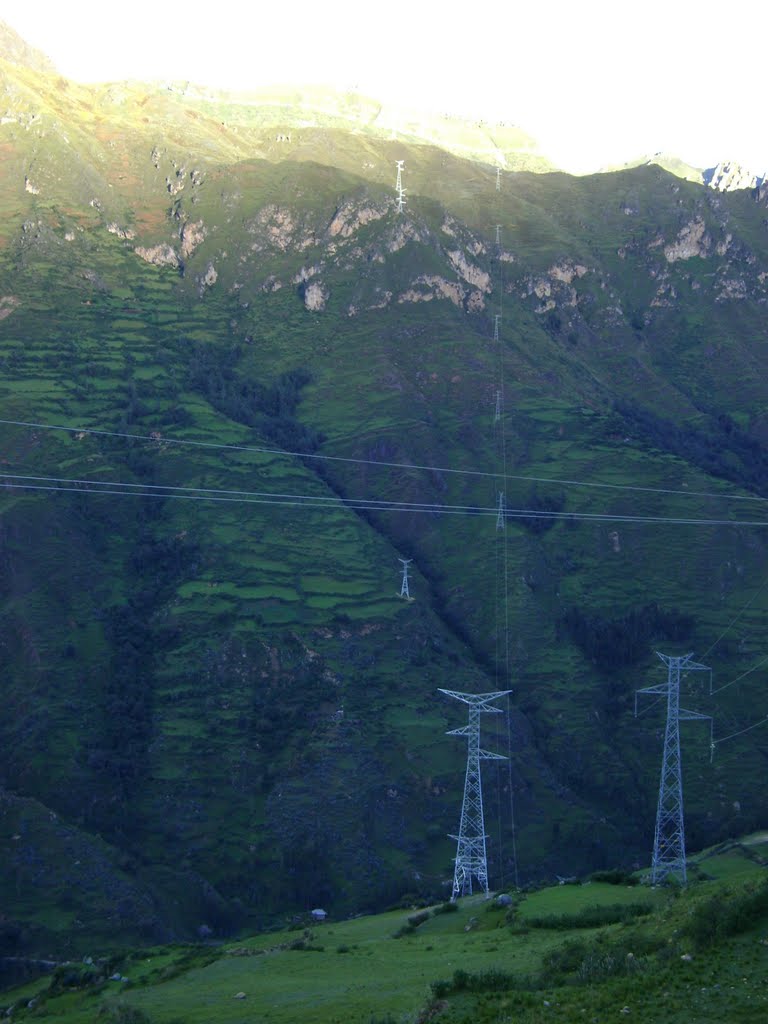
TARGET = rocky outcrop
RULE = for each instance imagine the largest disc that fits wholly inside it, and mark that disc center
(124, 233)
(278, 228)
(207, 279)
(472, 274)
(160, 255)
(691, 241)
(192, 234)
(7, 305)
(315, 297)
(350, 217)
(555, 287)
(429, 287)
(729, 176)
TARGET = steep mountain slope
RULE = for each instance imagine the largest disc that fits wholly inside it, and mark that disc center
(226, 701)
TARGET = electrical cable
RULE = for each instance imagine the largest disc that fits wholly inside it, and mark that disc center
(372, 504)
(737, 617)
(741, 732)
(739, 678)
(262, 450)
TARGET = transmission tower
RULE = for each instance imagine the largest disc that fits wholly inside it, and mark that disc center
(471, 859)
(498, 234)
(500, 525)
(497, 414)
(399, 190)
(496, 322)
(404, 591)
(498, 179)
(669, 840)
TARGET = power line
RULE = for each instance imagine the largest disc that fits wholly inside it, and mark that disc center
(736, 618)
(370, 504)
(739, 678)
(261, 450)
(741, 732)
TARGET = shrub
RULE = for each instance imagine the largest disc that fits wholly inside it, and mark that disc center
(492, 980)
(591, 917)
(420, 918)
(446, 908)
(615, 876)
(727, 913)
(122, 1013)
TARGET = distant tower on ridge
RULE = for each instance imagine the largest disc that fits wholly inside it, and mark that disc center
(404, 589)
(399, 190)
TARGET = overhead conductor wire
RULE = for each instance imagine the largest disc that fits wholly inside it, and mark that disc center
(504, 538)
(161, 439)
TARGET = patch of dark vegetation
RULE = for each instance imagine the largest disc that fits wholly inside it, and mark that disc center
(591, 917)
(121, 752)
(122, 1013)
(305, 946)
(585, 963)
(544, 509)
(270, 408)
(624, 640)
(416, 920)
(727, 913)
(615, 876)
(492, 980)
(721, 448)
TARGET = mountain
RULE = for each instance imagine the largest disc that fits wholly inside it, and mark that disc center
(729, 175)
(16, 50)
(218, 709)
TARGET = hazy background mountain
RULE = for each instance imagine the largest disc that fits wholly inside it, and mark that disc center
(220, 711)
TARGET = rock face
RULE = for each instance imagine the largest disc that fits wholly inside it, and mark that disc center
(691, 241)
(728, 176)
(160, 255)
(7, 305)
(315, 297)
(191, 235)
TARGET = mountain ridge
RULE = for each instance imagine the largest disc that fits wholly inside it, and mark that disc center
(236, 702)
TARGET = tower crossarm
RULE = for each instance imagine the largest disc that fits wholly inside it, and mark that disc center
(685, 715)
(486, 755)
(658, 688)
(479, 699)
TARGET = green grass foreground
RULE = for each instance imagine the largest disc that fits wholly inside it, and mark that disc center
(671, 955)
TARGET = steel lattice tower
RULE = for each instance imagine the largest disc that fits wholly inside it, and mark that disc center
(404, 588)
(399, 187)
(500, 525)
(471, 859)
(669, 839)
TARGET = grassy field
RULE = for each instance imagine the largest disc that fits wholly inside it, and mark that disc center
(665, 954)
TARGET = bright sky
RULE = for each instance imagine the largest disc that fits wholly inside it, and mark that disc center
(596, 81)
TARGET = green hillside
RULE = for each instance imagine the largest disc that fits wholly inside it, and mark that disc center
(218, 710)
(598, 949)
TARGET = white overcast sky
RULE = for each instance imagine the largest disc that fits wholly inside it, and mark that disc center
(595, 81)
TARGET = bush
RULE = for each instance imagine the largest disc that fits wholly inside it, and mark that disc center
(727, 913)
(615, 876)
(420, 918)
(122, 1013)
(446, 908)
(492, 980)
(591, 917)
